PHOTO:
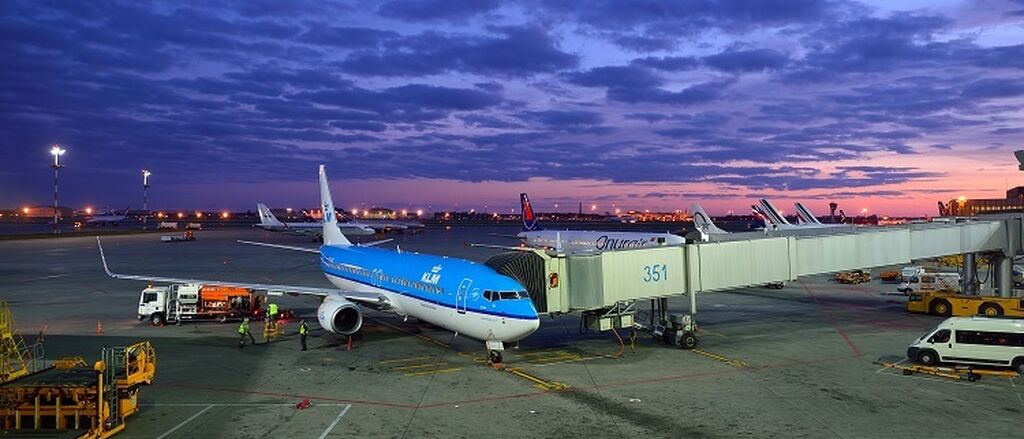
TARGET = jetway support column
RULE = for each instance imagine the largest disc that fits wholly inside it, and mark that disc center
(970, 274)
(1002, 270)
(693, 304)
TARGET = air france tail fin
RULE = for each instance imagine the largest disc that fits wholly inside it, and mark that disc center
(805, 214)
(267, 218)
(772, 213)
(702, 221)
(332, 234)
(530, 223)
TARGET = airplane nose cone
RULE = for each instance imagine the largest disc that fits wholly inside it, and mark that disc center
(526, 327)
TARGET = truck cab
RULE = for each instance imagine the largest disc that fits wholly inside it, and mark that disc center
(153, 305)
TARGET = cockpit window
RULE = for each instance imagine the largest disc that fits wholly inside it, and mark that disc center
(505, 295)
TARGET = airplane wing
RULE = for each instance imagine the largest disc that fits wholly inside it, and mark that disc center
(278, 246)
(502, 235)
(371, 300)
(499, 247)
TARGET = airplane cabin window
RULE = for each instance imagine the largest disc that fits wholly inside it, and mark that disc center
(489, 295)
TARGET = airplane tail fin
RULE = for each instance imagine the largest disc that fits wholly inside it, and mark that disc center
(702, 221)
(805, 214)
(267, 217)
(530, 222)
(943, 210)
(773, 213)
(332, 234)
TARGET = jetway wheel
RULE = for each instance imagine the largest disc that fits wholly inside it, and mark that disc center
(688, 340)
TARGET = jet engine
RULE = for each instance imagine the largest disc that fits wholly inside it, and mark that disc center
(339, 316)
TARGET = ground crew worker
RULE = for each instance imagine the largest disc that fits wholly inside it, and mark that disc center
(272, 314)
(303, 331)
(243, 330)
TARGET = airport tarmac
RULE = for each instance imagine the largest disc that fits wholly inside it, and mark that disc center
(795, 362)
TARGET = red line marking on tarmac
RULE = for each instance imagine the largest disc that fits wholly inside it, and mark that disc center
(832, 320)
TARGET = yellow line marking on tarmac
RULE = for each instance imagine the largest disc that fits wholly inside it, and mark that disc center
(407, 359)
(431, 372)
(419, 366)
(538, 382)
(724, 359)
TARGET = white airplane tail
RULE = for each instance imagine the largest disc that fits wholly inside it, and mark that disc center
(332, 234)
(702, 221)
(772, 213)
(805, 214)
(267, 218)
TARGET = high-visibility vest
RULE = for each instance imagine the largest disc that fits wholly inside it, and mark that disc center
(243, 328)
(272, 309)
(303, 329)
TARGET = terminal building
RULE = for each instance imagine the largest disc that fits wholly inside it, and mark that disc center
(1013, 203)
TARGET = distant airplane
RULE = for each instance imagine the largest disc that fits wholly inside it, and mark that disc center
(110, 218)
(459, 295)
(775, 220)
(382, 226)
(581, 241)
(703, 223)
(807, 218)
(270, 222)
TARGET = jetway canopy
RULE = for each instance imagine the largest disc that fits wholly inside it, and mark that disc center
(588, 282)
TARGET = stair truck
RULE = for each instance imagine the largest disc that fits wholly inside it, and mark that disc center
(179, 302)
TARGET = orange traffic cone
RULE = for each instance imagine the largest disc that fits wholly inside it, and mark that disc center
(349, 347)
(99, 328)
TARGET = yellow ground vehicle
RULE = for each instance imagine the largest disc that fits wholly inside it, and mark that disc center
(853, 277)
(69, 398)
(947, 304)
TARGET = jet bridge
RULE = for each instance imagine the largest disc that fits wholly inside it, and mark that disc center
(607, 285)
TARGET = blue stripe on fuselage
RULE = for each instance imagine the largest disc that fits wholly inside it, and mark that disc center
(429, 278)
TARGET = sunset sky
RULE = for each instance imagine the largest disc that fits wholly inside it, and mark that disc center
(439, 104)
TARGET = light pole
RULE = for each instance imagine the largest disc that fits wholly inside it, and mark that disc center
(56, 151)
(145, 197)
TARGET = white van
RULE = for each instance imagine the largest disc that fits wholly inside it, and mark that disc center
(972, 340)
(931, 282)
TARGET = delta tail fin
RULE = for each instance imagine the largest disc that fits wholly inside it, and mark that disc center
(267, 217)
(332, 234)
(702, 221)
(530, 222)
(805, 214)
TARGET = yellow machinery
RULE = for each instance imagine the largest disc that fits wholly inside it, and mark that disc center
(16, 358)
(72, 399)
(944, 303)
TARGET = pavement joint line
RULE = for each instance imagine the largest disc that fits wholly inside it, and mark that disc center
(183, 423)
(330, 428)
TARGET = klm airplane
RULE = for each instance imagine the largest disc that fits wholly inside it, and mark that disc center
(459, 295)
